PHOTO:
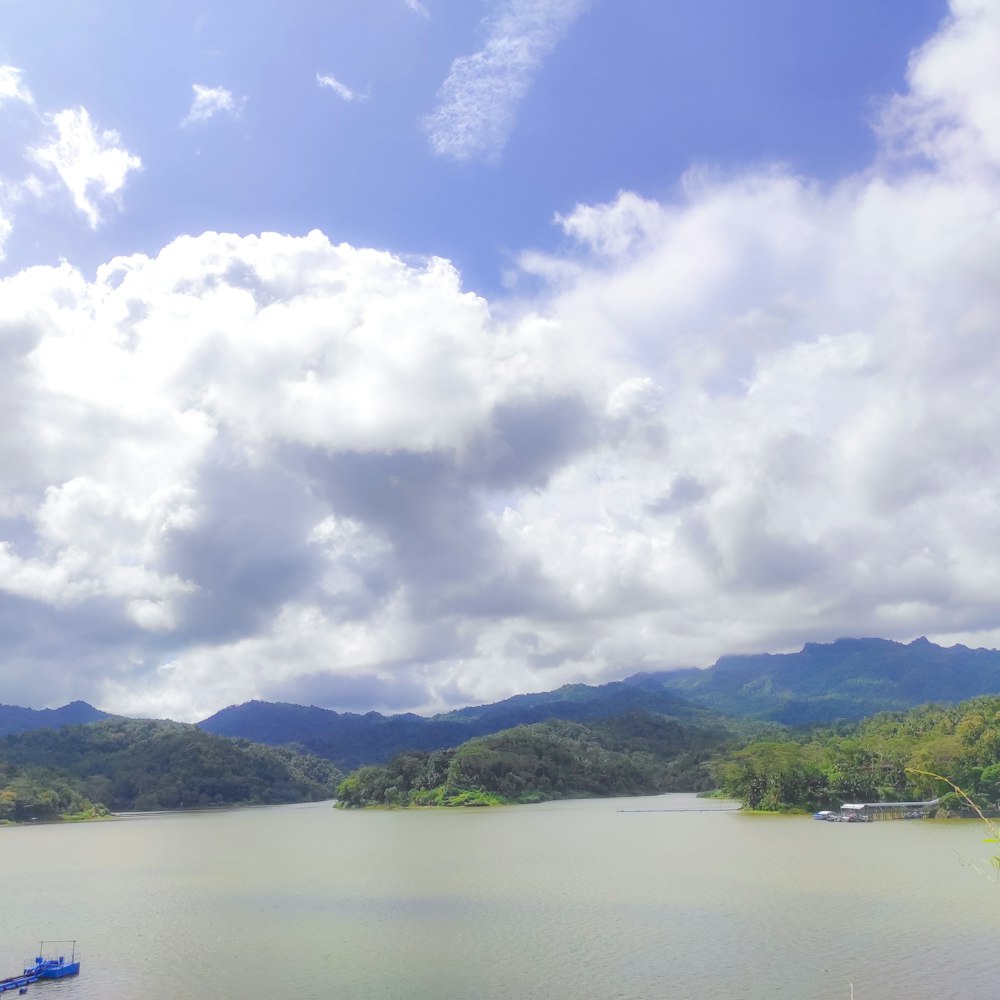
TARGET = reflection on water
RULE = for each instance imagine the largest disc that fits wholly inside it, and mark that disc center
(561, 900)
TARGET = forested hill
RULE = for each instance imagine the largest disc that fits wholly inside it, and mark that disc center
(126, 764)
(14, 719)
(889, 757)
(631, 755)
(353, 740)
(846, 679)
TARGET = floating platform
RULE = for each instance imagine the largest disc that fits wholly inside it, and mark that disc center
(44, 967)
(865, 812)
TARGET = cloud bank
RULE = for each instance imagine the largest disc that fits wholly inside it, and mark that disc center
(759, 412)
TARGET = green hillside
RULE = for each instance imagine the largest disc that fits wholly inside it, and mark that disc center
(877, 759)
(631, 755)
(136, 764)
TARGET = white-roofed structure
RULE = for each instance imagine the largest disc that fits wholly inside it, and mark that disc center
(866, 811)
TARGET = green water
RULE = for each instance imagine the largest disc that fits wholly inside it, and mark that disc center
(562, 900)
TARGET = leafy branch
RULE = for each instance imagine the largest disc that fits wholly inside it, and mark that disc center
(991, 826)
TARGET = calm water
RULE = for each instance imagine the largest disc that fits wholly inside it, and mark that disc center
(565, 900)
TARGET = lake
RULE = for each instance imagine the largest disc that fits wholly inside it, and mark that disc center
(574, 900)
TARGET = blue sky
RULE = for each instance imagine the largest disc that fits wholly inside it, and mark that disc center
(625, 96)
(413, 354)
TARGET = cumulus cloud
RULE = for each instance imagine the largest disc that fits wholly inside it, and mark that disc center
(762, 412)
(91, 163)
(259, 443)
(340, 89)
(478, 101)
(209, 102)
(950, 113)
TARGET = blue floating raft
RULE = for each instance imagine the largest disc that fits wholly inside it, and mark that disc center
(44, 967)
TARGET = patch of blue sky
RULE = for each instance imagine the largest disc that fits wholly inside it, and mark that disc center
(626, 95)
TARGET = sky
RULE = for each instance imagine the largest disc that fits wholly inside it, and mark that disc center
(410, 354)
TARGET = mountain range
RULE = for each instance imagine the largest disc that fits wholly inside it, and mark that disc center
(823, 682)
(14, 719)
(846, 679)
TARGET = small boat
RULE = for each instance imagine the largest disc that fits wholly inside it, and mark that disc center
(43, 967)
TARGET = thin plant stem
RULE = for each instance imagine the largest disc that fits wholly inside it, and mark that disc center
(991, 827)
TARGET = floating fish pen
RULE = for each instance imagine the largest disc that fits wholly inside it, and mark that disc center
(866, 812)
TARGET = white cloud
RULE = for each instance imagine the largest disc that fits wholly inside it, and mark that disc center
(340, 89)
(6, 227)
(152, 399)
(91, 163)
(209, 102)
(762, 412)
(478, 101)
(951, 112)
(417, 7)
(11, 87)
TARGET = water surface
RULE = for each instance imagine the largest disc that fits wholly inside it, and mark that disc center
(561, 900)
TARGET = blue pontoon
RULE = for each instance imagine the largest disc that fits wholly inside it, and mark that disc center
(43, 967)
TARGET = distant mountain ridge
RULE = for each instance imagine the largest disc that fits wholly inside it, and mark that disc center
(347, 739)
(351, 740)
(845, 679)
(14, 719)
(576, 703)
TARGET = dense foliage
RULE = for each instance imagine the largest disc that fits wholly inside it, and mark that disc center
(126, 764)
(632, 755)
(889, 757)
(28, 794)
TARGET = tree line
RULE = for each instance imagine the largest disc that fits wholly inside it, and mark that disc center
(140, 764)
(892, 756)
(129, 764)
